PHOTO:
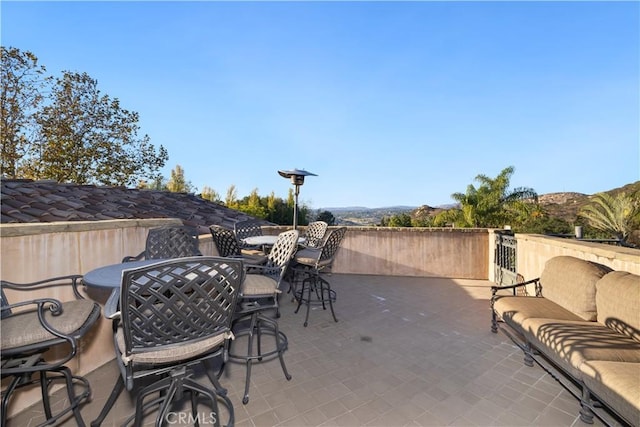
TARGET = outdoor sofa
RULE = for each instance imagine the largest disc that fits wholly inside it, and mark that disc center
(581, 324)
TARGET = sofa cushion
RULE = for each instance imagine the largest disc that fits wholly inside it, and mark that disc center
(571, 343)
(617, 383)
(618, 302)
(514, 310)
(571, 283)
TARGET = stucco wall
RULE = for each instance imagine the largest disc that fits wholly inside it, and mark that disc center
(31, 252)
(534, 251)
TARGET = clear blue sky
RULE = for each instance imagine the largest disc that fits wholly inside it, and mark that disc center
(390, 103)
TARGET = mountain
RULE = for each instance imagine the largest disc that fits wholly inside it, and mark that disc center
(365, 216)
(562, 205)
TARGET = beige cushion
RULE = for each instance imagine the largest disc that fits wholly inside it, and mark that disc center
(309, 257)
(571, 283)
(574, 342)
(254, 259)
(259, 284)
(24, 328)
(618, 302)
(514, 310)
(174, 353)
(617, 383)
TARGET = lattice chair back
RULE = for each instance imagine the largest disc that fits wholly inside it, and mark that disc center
(172, 242)
(179, 302)
(281, 254)
(225, 241)
(331, 246)
(248, 228)
(314, 235)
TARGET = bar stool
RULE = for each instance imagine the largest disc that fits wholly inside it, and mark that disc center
(259, 293)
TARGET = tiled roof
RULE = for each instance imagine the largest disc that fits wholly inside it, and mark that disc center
(25, 201)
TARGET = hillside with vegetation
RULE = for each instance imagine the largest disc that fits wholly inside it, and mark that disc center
(557, 213)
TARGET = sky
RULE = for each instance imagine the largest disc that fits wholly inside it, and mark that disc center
(389, 103)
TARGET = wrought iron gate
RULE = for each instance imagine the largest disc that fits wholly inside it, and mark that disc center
(505, 258)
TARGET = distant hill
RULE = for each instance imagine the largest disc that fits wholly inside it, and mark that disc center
(562, 205)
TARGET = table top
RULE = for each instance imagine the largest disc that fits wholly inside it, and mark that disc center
(110, 277)
(265, 240)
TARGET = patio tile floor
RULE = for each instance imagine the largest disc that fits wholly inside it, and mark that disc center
(405, 352)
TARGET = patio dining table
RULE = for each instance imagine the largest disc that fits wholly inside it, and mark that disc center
(266, 240)
(110, 277)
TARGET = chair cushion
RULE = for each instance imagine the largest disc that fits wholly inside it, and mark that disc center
(574, 342)
(254, 259)
(24, 328)
(173, 353)
(618, 302)
(309, 257)
(259, 284)
(617, 383)
(571, 283)
(515, 309)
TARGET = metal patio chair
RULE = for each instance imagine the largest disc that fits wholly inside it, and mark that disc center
(174, 314)
(173, 241)
(248, 228)
(311, 264)
(314, 234)
(228, 246)
(260, 293)
(39, 336)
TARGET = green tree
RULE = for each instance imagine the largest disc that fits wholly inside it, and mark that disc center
(400, 220)
(177, 183)
(488, 205)
(327, 217)
(210, 194)
(22, 83)
(251, 205)
(617, 215)
(86, 138)
(231, 200)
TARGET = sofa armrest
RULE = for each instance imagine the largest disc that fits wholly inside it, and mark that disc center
(516, 286)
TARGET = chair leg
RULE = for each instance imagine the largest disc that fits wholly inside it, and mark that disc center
(44, 389)
(326, 286)
(281, 345)
(259, 324)
(195, 388)
(74, 400)
(175, 390)
(214, 378)
(5, 398)
(250, 357)
(117, 389)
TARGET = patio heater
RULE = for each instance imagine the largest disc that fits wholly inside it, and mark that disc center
(297, 179)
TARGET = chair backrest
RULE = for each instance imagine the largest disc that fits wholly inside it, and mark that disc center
(248, 228)
(172, 242)
(225, 241)
(281, 254)
(314, 234)
(178, 301)
(331, 246)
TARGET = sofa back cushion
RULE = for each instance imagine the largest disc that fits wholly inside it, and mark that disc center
(571, 283)
(618, 302)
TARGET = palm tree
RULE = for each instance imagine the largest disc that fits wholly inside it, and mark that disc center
(489, 204)
(614, 214)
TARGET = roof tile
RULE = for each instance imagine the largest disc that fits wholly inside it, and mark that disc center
(48, 201)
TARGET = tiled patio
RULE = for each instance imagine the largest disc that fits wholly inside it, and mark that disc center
(405, 352)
